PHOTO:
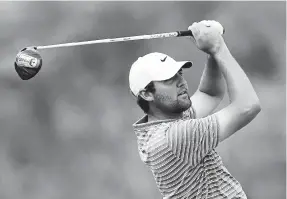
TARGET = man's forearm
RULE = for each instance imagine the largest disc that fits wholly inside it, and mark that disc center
(239, 87)
(212, 81)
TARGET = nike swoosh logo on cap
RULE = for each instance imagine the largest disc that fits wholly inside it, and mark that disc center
(163, 59)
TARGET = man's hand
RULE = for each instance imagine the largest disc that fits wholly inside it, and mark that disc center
(207, 36)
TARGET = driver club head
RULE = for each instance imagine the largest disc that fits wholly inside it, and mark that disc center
(28, 63)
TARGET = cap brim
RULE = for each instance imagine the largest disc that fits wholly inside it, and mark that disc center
(186, 64)
(167, 74)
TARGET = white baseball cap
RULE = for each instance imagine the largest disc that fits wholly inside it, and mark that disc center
(153, 67)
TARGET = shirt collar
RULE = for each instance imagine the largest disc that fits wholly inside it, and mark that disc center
(143, 123)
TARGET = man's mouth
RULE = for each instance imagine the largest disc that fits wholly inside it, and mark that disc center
(183, 92)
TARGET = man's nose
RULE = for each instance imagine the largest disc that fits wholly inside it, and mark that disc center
(181, 82)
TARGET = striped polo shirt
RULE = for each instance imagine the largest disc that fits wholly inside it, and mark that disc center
(181, 156)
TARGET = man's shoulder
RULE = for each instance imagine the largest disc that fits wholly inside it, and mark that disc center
(144, 126)
(151, 129)
(151, 138)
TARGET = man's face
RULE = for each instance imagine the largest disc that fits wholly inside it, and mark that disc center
(171, 96)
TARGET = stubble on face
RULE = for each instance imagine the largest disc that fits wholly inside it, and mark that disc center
(168, 104)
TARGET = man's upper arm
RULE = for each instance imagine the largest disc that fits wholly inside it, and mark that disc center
(233, 118)
(191, 140)
(203, 104)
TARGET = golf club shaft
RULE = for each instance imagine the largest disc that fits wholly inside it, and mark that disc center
(140, 37)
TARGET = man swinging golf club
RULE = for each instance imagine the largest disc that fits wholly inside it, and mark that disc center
(178, 135)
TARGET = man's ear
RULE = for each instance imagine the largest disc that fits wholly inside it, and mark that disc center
(146, 95)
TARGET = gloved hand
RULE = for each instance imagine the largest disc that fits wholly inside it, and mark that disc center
(207, 35)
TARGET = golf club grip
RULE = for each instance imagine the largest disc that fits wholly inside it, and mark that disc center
(184, 33)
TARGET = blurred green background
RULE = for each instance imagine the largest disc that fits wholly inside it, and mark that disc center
(67, 133)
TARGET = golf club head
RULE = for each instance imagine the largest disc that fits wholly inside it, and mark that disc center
(28, 63)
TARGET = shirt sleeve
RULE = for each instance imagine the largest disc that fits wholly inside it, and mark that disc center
(191, 140)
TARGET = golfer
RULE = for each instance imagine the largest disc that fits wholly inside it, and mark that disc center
(178, 135)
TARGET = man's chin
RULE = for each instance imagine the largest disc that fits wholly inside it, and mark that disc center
(187, 107)
(184, 106)
(186, 103)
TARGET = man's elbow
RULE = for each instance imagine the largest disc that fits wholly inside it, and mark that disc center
(256, 104)
(257, 107)
(253, 108)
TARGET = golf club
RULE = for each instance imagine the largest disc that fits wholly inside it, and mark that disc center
(29, 61)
